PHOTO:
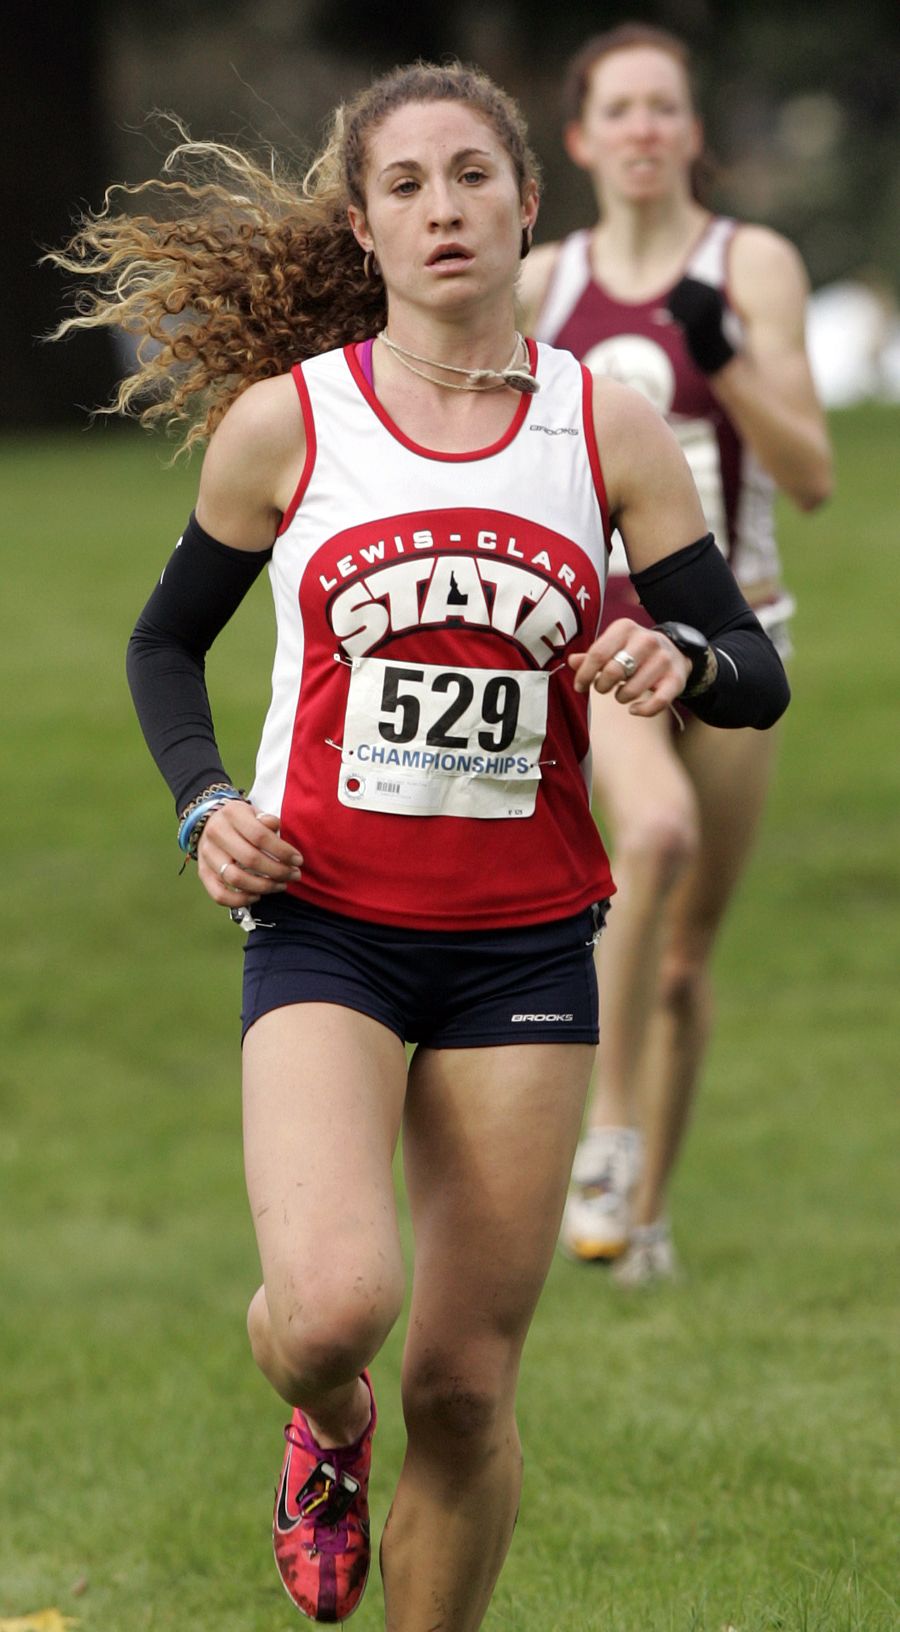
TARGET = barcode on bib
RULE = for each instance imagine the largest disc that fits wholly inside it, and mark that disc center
(388, 787)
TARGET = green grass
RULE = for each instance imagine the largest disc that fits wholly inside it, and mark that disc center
(717, 1454)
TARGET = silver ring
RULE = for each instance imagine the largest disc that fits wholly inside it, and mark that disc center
(222, 870)
(628, 663)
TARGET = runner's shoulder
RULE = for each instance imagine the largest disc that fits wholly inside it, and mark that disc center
(534, 279)
(764, 267)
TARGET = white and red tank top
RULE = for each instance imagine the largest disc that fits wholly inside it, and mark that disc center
(425, 747)
(636, 342)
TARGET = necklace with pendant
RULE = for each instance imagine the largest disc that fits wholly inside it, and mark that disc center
(519, 378)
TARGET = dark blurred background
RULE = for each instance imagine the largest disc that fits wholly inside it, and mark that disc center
(801, 104)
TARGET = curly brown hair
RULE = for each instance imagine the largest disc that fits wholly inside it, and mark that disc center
(233, 269)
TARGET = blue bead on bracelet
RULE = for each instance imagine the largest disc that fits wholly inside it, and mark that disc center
(198, 815)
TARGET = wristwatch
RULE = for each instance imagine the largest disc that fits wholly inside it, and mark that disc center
(696, 647)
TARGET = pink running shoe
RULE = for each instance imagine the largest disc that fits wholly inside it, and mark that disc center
(321, 1528)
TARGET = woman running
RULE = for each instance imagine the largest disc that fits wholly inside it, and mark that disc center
(706, 317)
(415, 861)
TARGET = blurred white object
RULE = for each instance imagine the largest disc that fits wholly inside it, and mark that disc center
(853, 339)
(649, 1257)
(596, 1222)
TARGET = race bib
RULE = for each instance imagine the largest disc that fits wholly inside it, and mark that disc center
(422, 739)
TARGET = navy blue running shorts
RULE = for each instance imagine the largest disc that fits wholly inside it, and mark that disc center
(443, 989)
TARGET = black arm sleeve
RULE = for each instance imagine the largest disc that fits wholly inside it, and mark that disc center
(696, 586)
(201, 587)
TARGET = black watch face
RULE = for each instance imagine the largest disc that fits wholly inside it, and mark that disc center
(688, 640)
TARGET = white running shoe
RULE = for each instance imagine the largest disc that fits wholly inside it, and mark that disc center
(596, 1222)
(649, 1257)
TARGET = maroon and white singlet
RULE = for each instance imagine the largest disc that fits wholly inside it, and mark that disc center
(637, 343)
(425, 747)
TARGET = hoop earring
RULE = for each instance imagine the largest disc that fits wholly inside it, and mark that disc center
(371, 269)
(527, 236)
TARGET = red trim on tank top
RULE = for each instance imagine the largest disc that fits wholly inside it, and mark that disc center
(512, 430)
(309, 426)
(590, 437)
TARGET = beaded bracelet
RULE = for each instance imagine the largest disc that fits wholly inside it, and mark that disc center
(198, 813)
(214, 787)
